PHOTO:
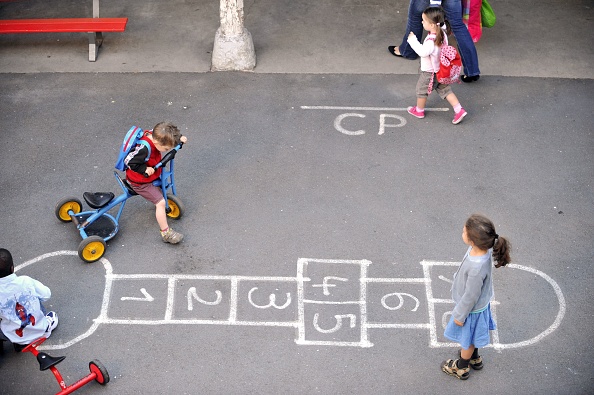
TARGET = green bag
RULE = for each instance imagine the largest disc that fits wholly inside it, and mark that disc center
(488, 17)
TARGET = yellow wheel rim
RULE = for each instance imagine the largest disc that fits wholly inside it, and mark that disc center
(74, 206)
(174, 213)
(93, 251)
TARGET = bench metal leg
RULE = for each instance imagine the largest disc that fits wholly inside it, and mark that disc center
(95, 8)
(95, 41)
(95, 38)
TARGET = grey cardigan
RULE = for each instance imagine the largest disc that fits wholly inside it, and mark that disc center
(472, 289)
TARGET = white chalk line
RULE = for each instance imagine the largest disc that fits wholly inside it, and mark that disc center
(332, 302)
(104, 304)
(146, 298)
(199, 277)
(431, 302)
(398, 326)
(363, 344)
(41, 257)
(175, 321)
(301, 263)
(396, 280)
(367, 108)
(363, 297)
(558, 318)
(300, 323)
(496, 343)
(170, 298)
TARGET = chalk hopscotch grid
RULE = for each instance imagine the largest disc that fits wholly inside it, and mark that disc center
(362, 302)
(172, 281)
(300, 280)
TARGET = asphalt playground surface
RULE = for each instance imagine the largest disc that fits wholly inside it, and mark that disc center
(307, 171)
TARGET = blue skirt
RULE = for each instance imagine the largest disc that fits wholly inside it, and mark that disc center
(475, 330)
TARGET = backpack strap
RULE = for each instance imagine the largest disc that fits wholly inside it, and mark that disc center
(148, 147)
(430, 88)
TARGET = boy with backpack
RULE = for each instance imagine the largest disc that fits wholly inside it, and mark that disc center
(140, 171)
(22, 317)
(435, 53)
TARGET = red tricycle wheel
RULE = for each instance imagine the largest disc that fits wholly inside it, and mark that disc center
(97, 367)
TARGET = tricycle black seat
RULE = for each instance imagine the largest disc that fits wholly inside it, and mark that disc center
(98, 199)
(46, 361)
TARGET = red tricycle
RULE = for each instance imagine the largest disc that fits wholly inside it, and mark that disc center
(98, 371)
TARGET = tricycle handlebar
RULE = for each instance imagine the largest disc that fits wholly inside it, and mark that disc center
(168, 157)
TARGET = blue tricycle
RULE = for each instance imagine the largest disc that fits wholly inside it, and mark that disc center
(97, 226)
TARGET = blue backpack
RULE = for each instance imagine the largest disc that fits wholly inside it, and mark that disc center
(132, 139)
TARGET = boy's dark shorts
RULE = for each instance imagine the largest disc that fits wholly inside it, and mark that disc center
(148, 191)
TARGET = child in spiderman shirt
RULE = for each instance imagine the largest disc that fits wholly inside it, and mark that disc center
(22, 316)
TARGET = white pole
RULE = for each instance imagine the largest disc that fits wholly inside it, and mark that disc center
(233, 46)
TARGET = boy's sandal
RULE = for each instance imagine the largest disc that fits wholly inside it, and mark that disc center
(392, 50)
(451, 367)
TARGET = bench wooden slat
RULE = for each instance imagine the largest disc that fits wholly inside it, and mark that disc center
(66, 25)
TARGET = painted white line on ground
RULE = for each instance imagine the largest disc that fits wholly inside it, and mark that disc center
(104, 304)
(397, 280)
(363, 297)
(558, 319)
(146, 298)
(399, 326)
(367, 108)
(170, 298)
(332, 303)
(198, 277)
(121, 321)
(41, 257)
(496, 343)
(400, 299)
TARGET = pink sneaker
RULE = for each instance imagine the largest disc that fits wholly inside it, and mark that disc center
(414, 111)
(459, 116)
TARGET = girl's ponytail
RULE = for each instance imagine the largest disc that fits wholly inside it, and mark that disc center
(448, 28)
(501, 250)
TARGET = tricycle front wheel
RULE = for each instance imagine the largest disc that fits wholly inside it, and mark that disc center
(91, 249)
(65, 205)
(176, 207)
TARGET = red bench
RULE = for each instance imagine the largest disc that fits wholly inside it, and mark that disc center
(93, 26)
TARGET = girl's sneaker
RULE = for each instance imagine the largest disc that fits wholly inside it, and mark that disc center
(459, 116)
(414, 111)
(451, 367)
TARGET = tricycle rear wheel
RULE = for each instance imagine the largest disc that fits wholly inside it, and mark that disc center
(97, 367)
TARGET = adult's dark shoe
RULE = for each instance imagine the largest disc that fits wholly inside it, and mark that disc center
(392, 50)
(473, 78)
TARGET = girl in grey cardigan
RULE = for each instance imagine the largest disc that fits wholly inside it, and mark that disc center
(472, 290)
